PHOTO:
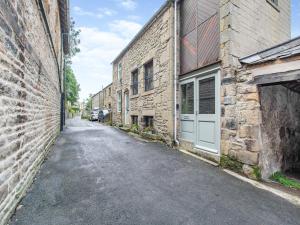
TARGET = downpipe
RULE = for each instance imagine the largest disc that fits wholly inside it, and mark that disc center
(176, 142)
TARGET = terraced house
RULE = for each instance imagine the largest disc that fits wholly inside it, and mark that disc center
(33, 42)
(103, 98)
(182, 76)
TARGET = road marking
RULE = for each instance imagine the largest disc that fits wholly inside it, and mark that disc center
(291, 198)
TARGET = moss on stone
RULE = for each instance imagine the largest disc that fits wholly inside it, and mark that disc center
(257, 172)
(230, 163)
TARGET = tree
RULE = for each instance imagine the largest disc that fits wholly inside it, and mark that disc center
(72, 86)
(88, 103)
(74, 42)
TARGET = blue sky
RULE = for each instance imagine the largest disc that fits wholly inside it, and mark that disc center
(107, 26)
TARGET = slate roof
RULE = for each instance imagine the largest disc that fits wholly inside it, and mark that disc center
(284, 50)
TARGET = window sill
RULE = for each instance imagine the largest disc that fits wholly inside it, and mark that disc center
(273, 5)
(148, 92)
(134, 96)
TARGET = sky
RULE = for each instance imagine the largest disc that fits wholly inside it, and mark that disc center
(107, 26)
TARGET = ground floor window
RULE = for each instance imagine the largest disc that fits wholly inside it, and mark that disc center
(119, 106)
(148, 121)
(135, 120)
(187, 98)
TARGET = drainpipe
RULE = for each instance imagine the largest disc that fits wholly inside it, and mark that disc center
(175, 73)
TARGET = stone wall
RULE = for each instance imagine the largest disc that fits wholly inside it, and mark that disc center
(156, 43)
(251, 26)
(29, 96)
(246, 27)
(280, 129)
(96, 100)
(103, 98)
(260, 126)
(107, 93)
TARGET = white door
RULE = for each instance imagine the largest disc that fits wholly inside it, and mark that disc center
(207, 113)
(126, 108)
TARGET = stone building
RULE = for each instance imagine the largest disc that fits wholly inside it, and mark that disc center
(107, 96)
(97, 100)
(216, 111)
(267, 105)
(103, 99)
(214, 36)
(143, 77)
(31, 90)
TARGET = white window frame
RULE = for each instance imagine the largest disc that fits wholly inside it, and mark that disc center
(119, 103)
(120, 72)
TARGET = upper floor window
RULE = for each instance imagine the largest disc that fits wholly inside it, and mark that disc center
(120, 72)
(275, 2)
(109, 92)
(135, 82)
(149, 76)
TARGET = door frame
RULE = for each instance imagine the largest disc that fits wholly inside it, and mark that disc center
(195, 77)
(126, 111)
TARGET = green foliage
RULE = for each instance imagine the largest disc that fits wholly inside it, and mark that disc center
(285, 181)
(135, 128)
(149, 130)
(74, 42)
(72, 86)
(229, 163)
(257, 172)
(88, 103)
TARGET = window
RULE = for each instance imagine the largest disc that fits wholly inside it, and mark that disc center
(148, 121)
(135, 82)
(187, 98)
(119, 106)
(135, 120)
(109, 91)
(207, 96)
(120, 72)
(149, 76)
(275, 2)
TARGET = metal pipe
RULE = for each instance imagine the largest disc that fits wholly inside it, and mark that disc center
(175, 73)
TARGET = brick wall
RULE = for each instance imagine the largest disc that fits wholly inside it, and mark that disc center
(29, 96)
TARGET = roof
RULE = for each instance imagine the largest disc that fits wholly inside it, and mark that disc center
(64, 12)
(284, 50)
(165, 6)
(99, 92)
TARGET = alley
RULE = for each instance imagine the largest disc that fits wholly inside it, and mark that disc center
(99, 175)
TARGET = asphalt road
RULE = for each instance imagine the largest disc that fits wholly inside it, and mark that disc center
(98, 175)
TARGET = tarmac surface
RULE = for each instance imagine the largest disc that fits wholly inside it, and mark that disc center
(99, 175)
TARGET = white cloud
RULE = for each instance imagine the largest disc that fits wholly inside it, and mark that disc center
(92, 65)
(107, 12)
(134, 17)
(125, 28)
(100, 13)
(128, 4)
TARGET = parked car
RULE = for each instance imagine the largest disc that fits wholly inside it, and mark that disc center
(94, 115)
(103, 115)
